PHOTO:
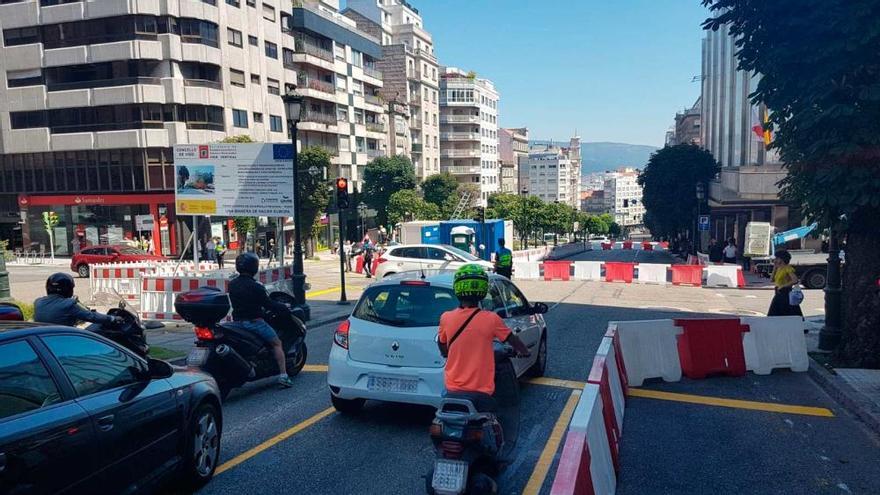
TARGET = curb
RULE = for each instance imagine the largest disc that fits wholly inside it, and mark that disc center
(852, 400)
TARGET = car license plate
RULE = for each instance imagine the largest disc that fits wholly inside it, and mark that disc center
(449, 476)
(391, 384)
(198, 356)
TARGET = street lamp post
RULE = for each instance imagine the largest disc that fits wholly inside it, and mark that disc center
(362, 213)
(829, 335)
(701, 195)
(294, 106)
(522, 235)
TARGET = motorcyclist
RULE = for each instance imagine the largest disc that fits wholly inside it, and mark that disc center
(466, 338)
(503, 260)
(249, 299)
(59, 307)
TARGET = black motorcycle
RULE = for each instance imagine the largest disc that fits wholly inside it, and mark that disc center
(129, 333)
(234, 356)
(473, 434)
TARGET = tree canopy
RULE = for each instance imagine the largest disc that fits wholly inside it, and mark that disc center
(383, 177)
(316, 189)
(439, 189)
(406, 204)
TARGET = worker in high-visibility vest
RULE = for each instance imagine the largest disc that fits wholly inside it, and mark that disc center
(503, 260)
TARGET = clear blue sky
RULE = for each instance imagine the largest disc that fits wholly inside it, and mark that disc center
(617, 70)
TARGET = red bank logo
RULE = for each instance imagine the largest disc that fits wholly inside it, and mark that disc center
(203, 152)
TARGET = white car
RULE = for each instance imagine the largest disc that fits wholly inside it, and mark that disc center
(415, 257)
(387, 349)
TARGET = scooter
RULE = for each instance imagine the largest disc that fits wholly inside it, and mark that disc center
(130, 333)
(472, 444)
(234, 356)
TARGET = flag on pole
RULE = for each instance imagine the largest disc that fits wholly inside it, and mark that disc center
(760, 131)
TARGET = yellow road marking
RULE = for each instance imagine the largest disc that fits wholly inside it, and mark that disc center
(317, 368)
(734, 403)
(329, 291)
(542, 467)
(244, 456)
(556, 382)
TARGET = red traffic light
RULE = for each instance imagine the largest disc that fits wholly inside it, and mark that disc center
(342, 183)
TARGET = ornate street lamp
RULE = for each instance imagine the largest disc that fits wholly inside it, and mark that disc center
(293, 103)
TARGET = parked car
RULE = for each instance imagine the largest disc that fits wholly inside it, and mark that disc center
(387, 350)
(80, 414)
(91, 255)
(415, 257)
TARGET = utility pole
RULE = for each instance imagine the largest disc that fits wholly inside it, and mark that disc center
(829, 335)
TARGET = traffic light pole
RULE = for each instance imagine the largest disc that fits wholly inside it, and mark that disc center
(341, 205)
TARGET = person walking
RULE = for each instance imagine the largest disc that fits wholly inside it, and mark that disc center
(716, 253)
(784, 280)
(368, 257)
(221, 252)
(346, 250)
(730, 251)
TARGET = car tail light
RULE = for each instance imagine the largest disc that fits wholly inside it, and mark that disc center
(436, 430)
(452, 450)
(340, 337)
(204, 333)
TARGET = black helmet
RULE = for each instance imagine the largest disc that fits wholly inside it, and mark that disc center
(61, 284)
(247, 263)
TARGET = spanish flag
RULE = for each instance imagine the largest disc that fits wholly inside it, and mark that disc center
(760, 129)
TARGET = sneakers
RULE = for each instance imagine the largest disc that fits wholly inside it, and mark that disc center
(285, 381)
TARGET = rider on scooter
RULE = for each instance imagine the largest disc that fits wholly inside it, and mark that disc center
(249, 298)
(466, 338)
(59, 307)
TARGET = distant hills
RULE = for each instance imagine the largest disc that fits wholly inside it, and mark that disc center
(602, 156)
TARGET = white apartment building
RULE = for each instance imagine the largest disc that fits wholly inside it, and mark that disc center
(411, 75)
(95, 93)
(469, 130)
(554, 172)
(513, 151)
(623, 197)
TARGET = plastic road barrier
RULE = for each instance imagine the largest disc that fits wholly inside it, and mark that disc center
(612, 335)
(607, 246)
(647, 246)
(123, 278)
(526, 270)
(158, 292)
(712, 346)
(652, 273)
(724, 276)
(588, 270)
(557, 270)
(649, 350)
(775, 342)
(619, 272)
(687, 275)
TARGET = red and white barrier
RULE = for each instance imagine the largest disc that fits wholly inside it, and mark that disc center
(652, 273)
(616, 271)
(526, 270)
(121, 278)
(724, 276)
(649, 349)
(775, 342)
(588, 270)
(554, 270)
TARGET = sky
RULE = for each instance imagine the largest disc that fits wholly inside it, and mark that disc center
(615, 70)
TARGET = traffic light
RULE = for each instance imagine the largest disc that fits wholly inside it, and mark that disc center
(342, 193)
(481, 214)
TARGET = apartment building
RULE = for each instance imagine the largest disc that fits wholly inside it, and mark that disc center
(513, 151)
(746, 189)
(469, 130)
(411, 76)
(623, 197)
(687, 126)
(95, 94)
(554, 172)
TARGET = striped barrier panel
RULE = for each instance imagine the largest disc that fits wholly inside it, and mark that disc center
(652, 273)
(121, 278)
(526, 270)
(588, 270)
(724, 276)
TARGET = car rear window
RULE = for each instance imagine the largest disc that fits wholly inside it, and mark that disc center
(131, 250)
(405, 305)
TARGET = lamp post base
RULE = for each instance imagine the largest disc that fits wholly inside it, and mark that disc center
(299, 294)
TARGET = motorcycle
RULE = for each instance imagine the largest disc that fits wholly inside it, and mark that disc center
(471, 440)
(234, 356)
(10, 312)
(129, 333)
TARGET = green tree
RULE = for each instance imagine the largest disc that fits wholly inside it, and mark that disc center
(315, 189)
(670, 187)
(243, 226)
(614, 229)
(383, 177)
(820, 79)
(241, 138)
(407, 205)
(442, 190)
(595, 225)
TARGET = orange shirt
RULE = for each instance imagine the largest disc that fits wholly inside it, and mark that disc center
(470, 366)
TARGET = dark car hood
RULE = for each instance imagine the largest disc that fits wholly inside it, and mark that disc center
(186, 376)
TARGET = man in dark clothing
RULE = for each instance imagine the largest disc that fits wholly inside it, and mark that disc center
(504, 260)
(249, 299)
(716, 252)
(59, 307)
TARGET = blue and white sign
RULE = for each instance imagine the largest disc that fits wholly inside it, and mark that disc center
(704, 223)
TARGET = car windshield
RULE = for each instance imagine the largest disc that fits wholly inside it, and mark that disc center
(405, 305)
(130, 250)
(461, 254)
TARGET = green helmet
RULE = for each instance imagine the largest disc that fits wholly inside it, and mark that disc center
(471, 282)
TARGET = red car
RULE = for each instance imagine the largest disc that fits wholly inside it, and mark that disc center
(108, 254)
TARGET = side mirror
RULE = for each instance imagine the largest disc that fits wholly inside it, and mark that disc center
(158, 369)
(539, 308)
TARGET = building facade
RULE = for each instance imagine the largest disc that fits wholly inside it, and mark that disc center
(97, 93)
(411, 76)
(746, 189)
(623, 197)
(513, 151)
(469, 130)
(555, 172)
(687, 129)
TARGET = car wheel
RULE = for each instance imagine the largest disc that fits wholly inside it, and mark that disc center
(83, 271)
(202, 446)
(296, 365)
(815, 279)
(347, 406)
(540, 365)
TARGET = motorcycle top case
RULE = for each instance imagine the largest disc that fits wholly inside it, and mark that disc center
(204, 306)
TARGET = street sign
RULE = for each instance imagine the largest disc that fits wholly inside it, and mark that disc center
(250, 179)
(704, 223)
(143, 222)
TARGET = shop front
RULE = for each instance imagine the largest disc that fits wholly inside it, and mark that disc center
(91, 219)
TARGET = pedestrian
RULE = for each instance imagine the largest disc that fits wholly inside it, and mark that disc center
(271, 250)
(730, 251)
(368, 257)
(503, 260)
(221, 252)
(346, 250)
(258, 248)
(716, 253)
(784, 280)
(210, 249)
(334, 248)
(150, 247)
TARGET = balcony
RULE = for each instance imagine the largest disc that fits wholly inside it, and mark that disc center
(372, 72)
(414, 75)
(373, 100)
(415, 99)
(462, 170)
(751, 183)
(315, 51)
(459, 119)
(317, 85)
(453, 153)
(417, 147)
(318, 117)
(375, 127)
(375, 153)
(102, 83)
(415, 122)
(203, 83)
(460, 136)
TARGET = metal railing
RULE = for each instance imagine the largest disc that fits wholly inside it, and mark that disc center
(415, 123)
(462, 170)
(372, 72)
(460, 119)
(375, 153)
(302, 47)
(318, 117)
(317, 85)
(373, 99)
(460, 136)
(102, 83)
(375, 126)
(453, 153)
(203, 83)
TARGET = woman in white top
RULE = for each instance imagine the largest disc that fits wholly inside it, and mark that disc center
(730, 252)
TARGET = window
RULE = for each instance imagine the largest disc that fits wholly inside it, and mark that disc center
(268, 12)
(515, 301)
(360, 144)
(405, 306)
(275, 124)
(21, 36)
(358, 116)
(271, 49)
(29, 77)
(93, 366)
(251, 3)
(258, 118)
(494, 301)
(253, 41)
(409, 252)
(236, 78)
(255, 79)
(273, 85)
(239, 118)
(233, 37)
(25, 383)
(234, 3)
